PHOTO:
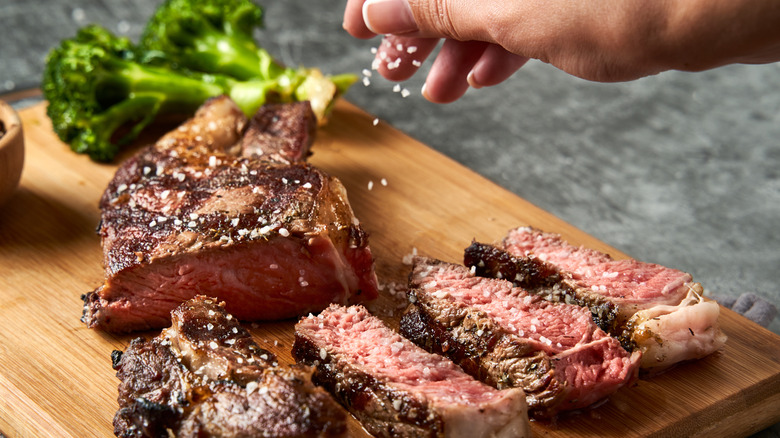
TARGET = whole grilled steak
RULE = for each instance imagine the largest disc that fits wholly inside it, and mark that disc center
(191, 215)
(509, 338)
(205, 376)
(660, 311)
(395, 388)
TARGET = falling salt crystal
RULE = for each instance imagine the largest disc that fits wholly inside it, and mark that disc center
(78, 15)
(384, 182)
(370, 185)
(123, 27)
(374, 50)
(405, 93)
(366, 72)
(396, 88)
(366, 81)
(375, 122)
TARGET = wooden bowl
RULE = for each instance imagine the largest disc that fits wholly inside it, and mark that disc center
(11, 151)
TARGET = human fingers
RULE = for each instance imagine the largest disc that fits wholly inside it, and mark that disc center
(447, 79)
(494, 66)
(353, 20)
(398, 58)
(460, 20)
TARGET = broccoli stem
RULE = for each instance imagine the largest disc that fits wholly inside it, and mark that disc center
(177, 92)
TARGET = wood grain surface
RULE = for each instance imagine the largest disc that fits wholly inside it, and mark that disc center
(55, 374)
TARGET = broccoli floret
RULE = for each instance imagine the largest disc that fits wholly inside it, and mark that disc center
(216, 36)
(102, 94)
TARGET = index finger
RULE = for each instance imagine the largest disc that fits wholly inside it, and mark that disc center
(353, 20)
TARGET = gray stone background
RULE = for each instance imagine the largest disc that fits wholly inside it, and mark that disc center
(681, 169)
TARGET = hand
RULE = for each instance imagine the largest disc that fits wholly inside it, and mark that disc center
(486, 41)
(458, 66)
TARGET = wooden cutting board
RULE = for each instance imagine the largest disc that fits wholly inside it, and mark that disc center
(55, 374)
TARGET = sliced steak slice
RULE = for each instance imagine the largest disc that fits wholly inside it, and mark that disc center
(540, 278)
(205, 376)
(190, 216)
(395, 388)
(660, 311)
(507, 337)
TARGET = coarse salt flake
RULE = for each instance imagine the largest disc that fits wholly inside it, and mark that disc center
(284, 232)
(375, 122)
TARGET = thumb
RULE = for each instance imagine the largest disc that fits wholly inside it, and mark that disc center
(425, 18)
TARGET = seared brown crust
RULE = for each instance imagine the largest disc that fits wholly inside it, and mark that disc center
(281, 132)
(382, 410)
(205, 376)
(238, 200)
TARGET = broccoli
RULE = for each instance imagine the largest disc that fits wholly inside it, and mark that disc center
(103, 92)
(216, 36)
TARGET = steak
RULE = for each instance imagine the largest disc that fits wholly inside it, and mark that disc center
(508, 338)
(395, 388)
(659, 311)
(280, 132)
(192, 215)
(205, 376)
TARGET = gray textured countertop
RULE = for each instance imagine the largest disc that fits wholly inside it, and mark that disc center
(680, 169)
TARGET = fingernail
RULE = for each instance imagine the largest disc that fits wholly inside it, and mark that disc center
(424, 92)
(388, 16)
(472, 81)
